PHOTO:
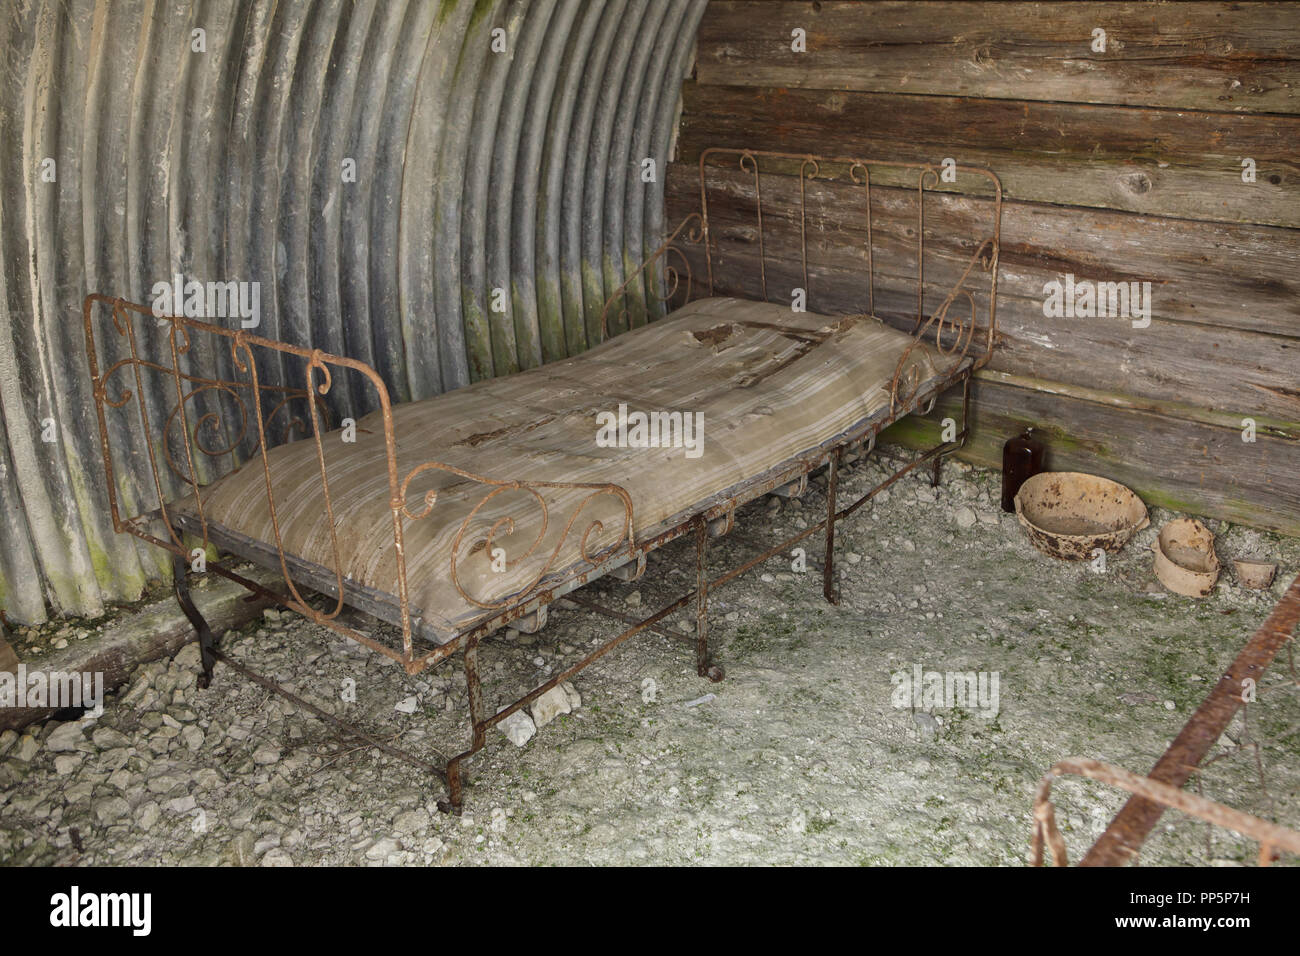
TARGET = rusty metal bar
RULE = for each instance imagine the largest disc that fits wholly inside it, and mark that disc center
(343, 725)
(828, 565)
(808, 169)
(180, 586)
(1270, 836)
(1127, 831)
(609, 612)
(701, 597)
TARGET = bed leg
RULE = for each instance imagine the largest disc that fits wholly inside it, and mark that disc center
(937, 466)
(455, 801)
(181, 587)
(828, 565)
(478, 732)
(702, 666)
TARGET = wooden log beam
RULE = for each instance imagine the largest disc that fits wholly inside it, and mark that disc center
(1154, 161)
(1200, 349)
(1221, 274)
(1208, 56)
(1170, 462)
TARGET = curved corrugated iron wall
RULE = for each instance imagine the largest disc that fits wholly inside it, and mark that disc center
(476, 170)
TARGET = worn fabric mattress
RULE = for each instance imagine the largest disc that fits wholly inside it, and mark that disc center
(769, 383)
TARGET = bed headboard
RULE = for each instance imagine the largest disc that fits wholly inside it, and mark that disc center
(761, 228)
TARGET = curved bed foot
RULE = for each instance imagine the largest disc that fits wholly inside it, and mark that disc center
(181, 587)
(455, 800)
(703, 666)
(832, 498)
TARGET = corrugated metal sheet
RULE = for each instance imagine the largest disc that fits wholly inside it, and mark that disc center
(476, 170)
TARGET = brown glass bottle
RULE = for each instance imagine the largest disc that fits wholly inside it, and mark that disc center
(1022, 458)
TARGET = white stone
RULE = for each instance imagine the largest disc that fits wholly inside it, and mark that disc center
(27, 748)
(406, 705)
(65, 764)
(549, 706)
(188, 657)
(148, 815)
(267, 842)
(411, 821)
(964, 516)
(165, 782)
(106, 738)
(518, 728)
(382, 849)
(65, 737)
(182, 804)
(112, 809)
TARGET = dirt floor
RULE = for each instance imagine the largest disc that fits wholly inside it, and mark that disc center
(800, 756)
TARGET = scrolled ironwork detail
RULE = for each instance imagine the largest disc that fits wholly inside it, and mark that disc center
(466, 543)
(671, 275)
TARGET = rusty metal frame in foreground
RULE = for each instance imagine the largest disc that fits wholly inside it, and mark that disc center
(216, 418)
(1162, 788)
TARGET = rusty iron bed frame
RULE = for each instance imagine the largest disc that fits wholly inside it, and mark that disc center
(303, 408)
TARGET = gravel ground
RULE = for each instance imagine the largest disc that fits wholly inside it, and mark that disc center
(799, 756)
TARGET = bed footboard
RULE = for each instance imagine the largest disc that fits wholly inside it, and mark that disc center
(174, 417)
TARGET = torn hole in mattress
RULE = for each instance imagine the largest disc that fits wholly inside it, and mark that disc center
(712, 337)
(521, 428)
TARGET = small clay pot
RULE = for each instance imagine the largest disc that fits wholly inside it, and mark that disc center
(1254, 574)
(1185, 561)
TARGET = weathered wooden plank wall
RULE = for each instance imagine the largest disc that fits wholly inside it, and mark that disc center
(1122, 165)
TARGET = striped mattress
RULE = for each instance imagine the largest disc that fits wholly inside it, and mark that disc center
(765, 384)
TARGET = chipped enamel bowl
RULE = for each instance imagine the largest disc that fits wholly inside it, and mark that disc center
(1069, 515)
